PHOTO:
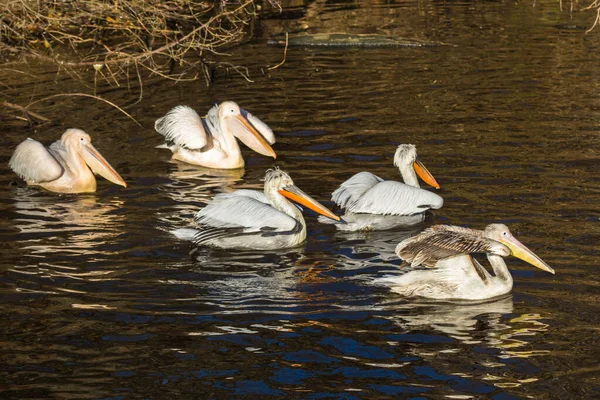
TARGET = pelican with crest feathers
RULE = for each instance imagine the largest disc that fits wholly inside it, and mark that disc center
(372, 203)
(249, 219)
(451, 272)
(211, 141)
(65, 165)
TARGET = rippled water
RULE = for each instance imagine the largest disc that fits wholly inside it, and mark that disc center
(100, 301)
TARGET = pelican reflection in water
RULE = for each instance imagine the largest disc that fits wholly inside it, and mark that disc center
(74, 227)
(372, 203)
(467, 322)
(249, 219)
(211, 141)
(64, 166)
(190, 185)
(455, 274)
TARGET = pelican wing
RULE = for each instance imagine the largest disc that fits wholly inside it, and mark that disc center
(260, 196)
(183, 127)
(351, 190)
(33, 162)
(231, 214)
(255, 194)
(443, 241)
(395, 198)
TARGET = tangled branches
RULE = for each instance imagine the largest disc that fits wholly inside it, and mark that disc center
(170, 38)
(595, 5)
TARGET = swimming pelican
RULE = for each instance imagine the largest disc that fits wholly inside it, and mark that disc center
(374, 204)
(63, 167)
(457, 275)
(249, 219)
(210, 141)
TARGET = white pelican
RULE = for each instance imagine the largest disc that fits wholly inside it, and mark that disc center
(456, 274)
(374, 204)
(63, 167)
(210, 141)
(249, 219)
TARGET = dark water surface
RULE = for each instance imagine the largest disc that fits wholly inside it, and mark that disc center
(100, 301)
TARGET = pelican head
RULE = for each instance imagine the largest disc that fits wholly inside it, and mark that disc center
(249, 129)
(501, 234)
(406, 159)
(279, 182)
(82, 143)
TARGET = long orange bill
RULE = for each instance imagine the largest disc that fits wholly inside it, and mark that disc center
(100, 166)
(425, 174)
(519, 250)
(293, 193)
(248, 134)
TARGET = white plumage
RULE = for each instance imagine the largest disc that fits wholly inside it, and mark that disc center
(451, 273)
(211, 141)
(231, 210)
(182, 127)
(35, 163)
(247, 219)
(395, 198)
(65, 165)
(367, 194)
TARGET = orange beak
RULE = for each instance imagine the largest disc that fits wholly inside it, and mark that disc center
(425, 174)
(297, 195)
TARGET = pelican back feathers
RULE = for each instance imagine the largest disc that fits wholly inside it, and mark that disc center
(352, 189)
(245, 219)
(229, 210)
(444, 241)
(395, 198)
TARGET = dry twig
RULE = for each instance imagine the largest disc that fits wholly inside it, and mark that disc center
(596, 5)
(25, 111)
(284, 54)
(83, 95)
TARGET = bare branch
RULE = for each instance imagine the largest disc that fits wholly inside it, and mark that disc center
(83, 95)
(25, 111)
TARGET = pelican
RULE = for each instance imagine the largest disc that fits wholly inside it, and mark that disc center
(210, 141)
(456, 275)
(63, 167)
(374, 204)
(249, 219)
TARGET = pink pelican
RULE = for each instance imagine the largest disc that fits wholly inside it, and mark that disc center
(64, 166)
(211, 141)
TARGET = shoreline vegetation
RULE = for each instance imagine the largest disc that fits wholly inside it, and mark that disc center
(120, 41)
(109, 35)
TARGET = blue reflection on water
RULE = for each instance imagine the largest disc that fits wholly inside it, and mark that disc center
(250, 387)
(351, 347)
(456, 382)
